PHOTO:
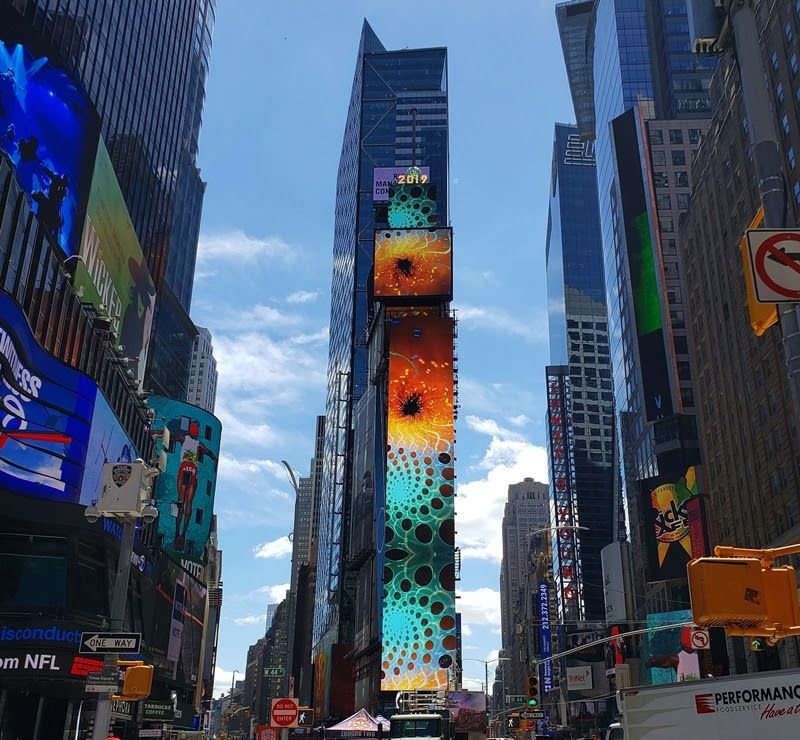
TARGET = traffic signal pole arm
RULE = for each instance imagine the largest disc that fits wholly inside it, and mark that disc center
(767, 557)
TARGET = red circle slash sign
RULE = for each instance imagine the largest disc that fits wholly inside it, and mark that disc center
(769, 250)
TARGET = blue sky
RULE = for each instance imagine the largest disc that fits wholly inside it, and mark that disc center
(276, 103)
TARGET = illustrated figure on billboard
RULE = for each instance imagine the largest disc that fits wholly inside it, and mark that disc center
(686, 663)
(138, 311)
(191, 449)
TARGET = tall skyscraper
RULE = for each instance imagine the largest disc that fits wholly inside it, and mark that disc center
(526, 511)
(397, 118)
(640, 72)
(588, 494)
(202, 389)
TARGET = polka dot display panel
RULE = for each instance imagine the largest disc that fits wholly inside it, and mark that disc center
(413, 264)
(419, 626)
(412, 206)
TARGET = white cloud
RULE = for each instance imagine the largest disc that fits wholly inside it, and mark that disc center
(317, 337)
(480, 503)
(223, 678)
(302, 296)
(499, 320)
(274, 594)
(279, 548)
(479, 608)
(518, 421)
(238, 246)
(251, 619)
(492, 428)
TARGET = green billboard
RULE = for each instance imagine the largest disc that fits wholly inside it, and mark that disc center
(112, 273)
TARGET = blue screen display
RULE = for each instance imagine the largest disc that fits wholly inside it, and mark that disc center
(45, 125)
(46, 409)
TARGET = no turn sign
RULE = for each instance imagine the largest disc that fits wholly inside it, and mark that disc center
(284, 712)
(700, 639)
(775, 258)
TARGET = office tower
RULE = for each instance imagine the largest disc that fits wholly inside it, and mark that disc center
(641, 76)
(270, 616)
(587, 494)
(202, 389)
(316, 479)
(397, 118)
(748, 429)
(526, 511)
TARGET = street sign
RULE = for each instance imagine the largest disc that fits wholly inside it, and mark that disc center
(284, 712)
(532, 715)
(515, 699)
(305, 718)
(275, 671)
(102, 683)
(775, 258)
(159, 711)
(110, 642)
(700, 639)
(152, 732)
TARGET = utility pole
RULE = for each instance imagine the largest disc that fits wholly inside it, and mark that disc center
(102, 717)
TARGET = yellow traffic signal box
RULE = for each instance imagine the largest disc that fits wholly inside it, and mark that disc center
(138, 682)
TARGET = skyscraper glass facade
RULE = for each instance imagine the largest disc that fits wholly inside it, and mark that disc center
(578, 326)
(397, 117)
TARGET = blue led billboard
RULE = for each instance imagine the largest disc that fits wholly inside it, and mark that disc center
(46, 409)
(49, 131)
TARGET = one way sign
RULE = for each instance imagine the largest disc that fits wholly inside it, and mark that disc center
(110, 642)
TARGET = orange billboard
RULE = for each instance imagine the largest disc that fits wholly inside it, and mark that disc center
(413, 265)
(419, 619)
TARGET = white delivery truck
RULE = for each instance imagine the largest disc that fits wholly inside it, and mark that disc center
(754, 706)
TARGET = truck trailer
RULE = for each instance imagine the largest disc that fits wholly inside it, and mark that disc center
(751, 706)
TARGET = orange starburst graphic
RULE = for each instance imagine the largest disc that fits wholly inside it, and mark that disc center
(413, 263)
(421, 384)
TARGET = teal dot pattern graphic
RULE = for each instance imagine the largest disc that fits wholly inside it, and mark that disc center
(412, 206)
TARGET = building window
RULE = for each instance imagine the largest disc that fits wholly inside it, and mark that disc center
(787, 32)
(774, 60)
(661, 179)
(674, 296)
(659, 157)
(668, 246)
(678, 157)
(683, 201)
(785, 124)
(675, 136)
(687, 397)
(779, 92)
(663, 202)
(793, 63)
(791, 158)
(667, 224)
(682, 179)
(796, 190)
(656, 136)
(745, 127)
(694, 135)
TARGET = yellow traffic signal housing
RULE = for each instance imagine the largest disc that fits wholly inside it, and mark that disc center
(533, 690)
(138, 682)
(740, 592)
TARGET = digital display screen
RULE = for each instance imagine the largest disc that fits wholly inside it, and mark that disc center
(46, 410)
(669, 653)
(419, 620)
(112, 271)
(412, 206)
(185, 489)
(413, 264)
(50, 133)
(384, 177)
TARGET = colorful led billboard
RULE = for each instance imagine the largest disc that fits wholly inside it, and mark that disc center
(185, 488)
(419, 620)
(673, 526)
(112, 271)
(47, 410)
(413, 265)
(642, 266)
(50, 133)
(669, 653)
(384, 177)
(412, 206)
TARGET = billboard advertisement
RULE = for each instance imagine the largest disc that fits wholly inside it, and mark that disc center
(413, 264)
(613, 558)
(642, 266)
(467, 711)
(184, 491)
(112, 271)
(384, 177)
(47, 410)
(412, 206)
(670, 655)
(419, 620)
(667, 501)
(546, 641)
(49, 132)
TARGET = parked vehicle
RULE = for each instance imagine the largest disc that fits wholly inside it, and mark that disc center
(752, 705)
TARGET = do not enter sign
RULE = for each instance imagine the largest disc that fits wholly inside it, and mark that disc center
(775, 258)
(284, 712)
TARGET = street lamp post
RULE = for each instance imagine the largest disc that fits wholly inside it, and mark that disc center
(498, 659)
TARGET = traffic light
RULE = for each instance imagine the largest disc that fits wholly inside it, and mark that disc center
(533, 690)
(138, 681)
(741, 594)
(758, 644)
